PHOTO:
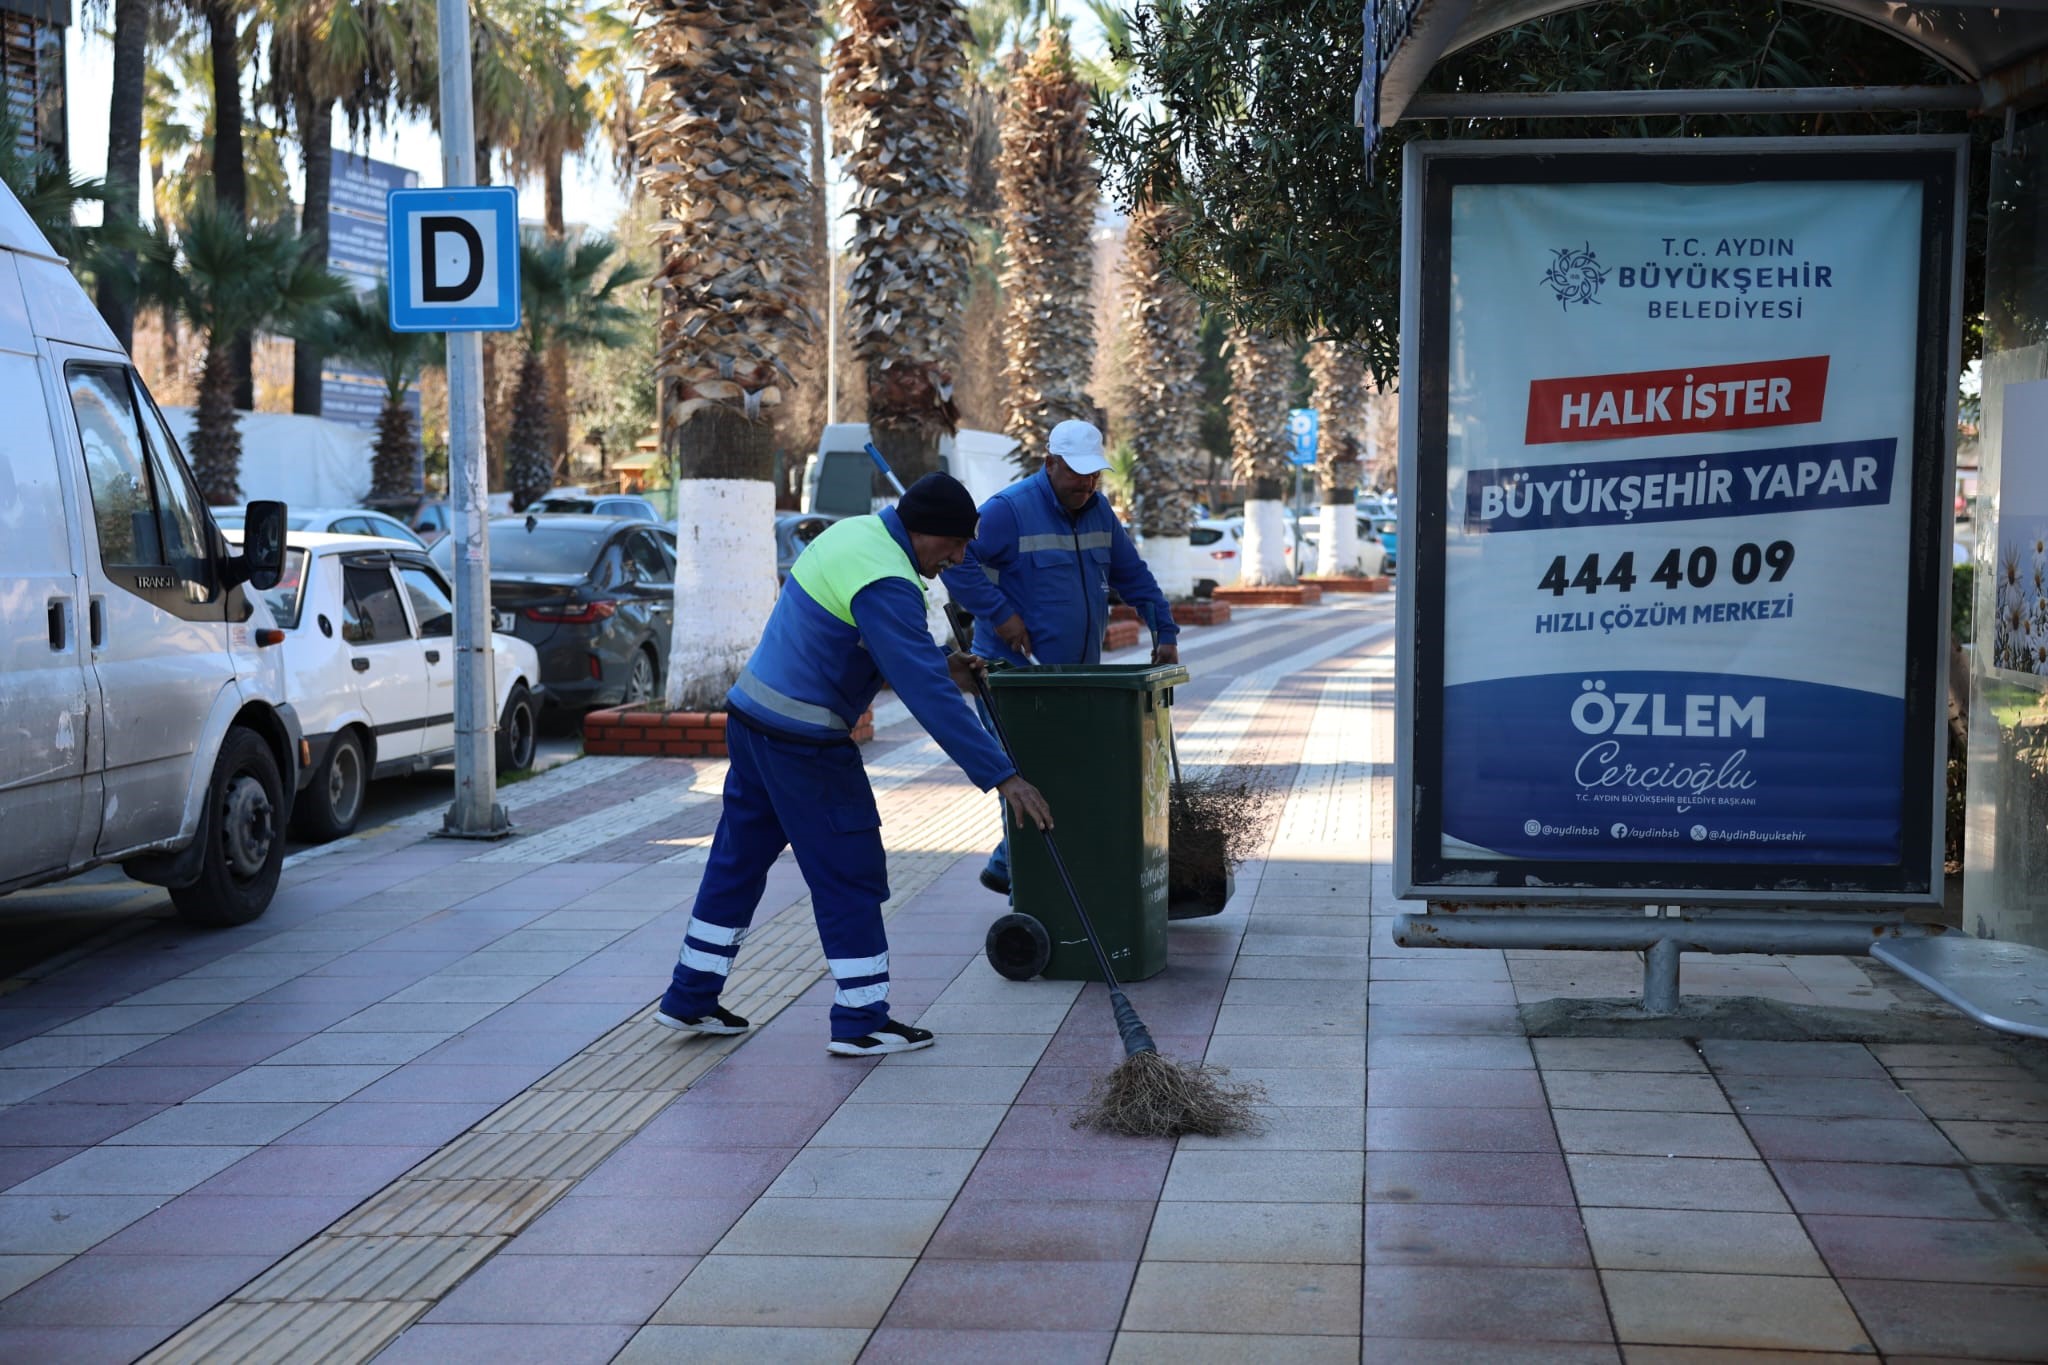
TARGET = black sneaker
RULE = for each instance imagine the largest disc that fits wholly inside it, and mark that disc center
(999, 885)
(719, 1021)
(890, 1037)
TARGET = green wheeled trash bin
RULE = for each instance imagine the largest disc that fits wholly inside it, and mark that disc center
(1096, 740)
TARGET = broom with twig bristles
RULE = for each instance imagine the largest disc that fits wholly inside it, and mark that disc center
(1147, 1094)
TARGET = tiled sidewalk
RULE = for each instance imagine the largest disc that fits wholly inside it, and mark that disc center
(417, 1110)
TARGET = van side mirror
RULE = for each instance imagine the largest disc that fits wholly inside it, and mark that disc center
(261, 563)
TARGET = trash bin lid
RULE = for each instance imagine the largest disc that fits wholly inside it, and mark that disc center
(1109, 677)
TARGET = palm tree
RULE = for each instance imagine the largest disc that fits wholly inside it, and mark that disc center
(1342, 397)
(364, 58)
(1261, 375)
(1162, 397)
(357, 329)
(228, 278)
(896, 91)
(114, 295)
(1048, 187)
(723, 153)
(568, 296)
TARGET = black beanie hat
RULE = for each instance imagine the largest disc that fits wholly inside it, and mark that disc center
(939, 505)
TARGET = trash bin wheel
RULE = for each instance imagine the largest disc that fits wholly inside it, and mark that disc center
(1018, 947)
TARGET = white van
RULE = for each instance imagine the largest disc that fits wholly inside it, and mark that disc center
(141, 716)
(841, 480)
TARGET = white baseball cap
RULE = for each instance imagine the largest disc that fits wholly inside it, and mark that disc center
(1079, 445)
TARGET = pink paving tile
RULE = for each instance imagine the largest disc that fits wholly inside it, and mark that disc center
(1391, 1020)
(235, 1050)
(1101, 1051)
(1501, 1178)
(1051, 1126)
(1410, 1351)
(98, 1290)
(229, 1225)
(745, 1080)
(1042, 1230)
(1996, 1321)
(1732, 1058)
(277, 1170)
(1490, 1304)
(1819, 1097)
(566, 1290)
(1474, 1235)
(1874, 1190)
(423, 1084)
(1877, 1140)
(585, 1225)
(647, 1170)
(1965, 1251)
(1035, 1173)
(371, 1123)
(79, 1345)
(505, 1344)
(1459, 1130)
(692, 1124)
(1086, 1296)
(138, 1084)
(931, 1346)
(1457, 1088)
(1061, 1085)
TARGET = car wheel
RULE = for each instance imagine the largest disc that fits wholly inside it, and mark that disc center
(333, 801)
(645, 678)
(244, 845)
(516, 733)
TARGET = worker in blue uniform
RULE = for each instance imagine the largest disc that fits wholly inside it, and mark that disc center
(1038, 573)
(852, 614)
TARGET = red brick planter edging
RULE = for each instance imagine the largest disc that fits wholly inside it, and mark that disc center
(1278, 595)
(1121, 634)
(1350, 582)
(671, 734)
(1123, 611)
(1201, 613)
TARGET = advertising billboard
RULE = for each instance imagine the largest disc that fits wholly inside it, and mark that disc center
(358, 233)
(1684, 415)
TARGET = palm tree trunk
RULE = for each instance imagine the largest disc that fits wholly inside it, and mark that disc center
(230, 174)
(558, 354)
(216, 439)
(316, 139)
(725, 560)
(528, 467)
(391, 467)
(124, 157)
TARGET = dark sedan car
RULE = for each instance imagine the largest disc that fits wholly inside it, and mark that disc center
(794, 531)
(595, 597)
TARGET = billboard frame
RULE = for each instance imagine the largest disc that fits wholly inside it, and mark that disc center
(1431, 172)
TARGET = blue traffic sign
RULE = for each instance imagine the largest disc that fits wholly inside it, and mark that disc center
(455, 260)
(1304, 427)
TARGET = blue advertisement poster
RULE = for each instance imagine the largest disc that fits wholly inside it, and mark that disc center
(1678, 436)
(357, 233)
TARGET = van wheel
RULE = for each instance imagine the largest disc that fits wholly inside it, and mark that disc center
(333, 801)
(243, 841)
(516, 734)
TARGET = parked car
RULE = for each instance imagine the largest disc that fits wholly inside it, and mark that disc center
(793, 532)
(1222, 543)
(140, 721)
(340, 521)
(369, 663)
(596, 597)
(599, 505)
(432, 519)
(1373, 558)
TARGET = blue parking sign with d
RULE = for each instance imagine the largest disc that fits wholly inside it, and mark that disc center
(455, 260)
(1304, 427)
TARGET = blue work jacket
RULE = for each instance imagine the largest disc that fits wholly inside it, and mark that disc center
(852, 614)
(1033, 558)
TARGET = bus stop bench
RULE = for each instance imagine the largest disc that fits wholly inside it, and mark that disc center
(2003, 985)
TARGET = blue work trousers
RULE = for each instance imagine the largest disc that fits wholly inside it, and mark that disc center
(815, 800)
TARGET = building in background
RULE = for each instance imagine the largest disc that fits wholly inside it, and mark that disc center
(32, 73)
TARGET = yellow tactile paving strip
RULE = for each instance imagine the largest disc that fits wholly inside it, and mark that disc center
(349, 1292)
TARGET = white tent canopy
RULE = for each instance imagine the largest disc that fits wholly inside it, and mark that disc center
(305, 461)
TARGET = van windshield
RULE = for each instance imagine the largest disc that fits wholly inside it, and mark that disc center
(283, 600)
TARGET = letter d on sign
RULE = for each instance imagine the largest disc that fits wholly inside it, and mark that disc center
(438, 262)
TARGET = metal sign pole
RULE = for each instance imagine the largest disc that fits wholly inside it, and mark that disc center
(475, 813)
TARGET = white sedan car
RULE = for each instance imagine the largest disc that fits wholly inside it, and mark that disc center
(1372, 553)
(342, 521)
(369, 665)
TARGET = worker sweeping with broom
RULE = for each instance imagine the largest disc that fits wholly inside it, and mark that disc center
(851, 615)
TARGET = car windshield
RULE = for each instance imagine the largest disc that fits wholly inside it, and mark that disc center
(546, 549)
(579, 505)
(283, 600)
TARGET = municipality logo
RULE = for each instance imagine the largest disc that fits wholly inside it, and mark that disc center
(1574, 276)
